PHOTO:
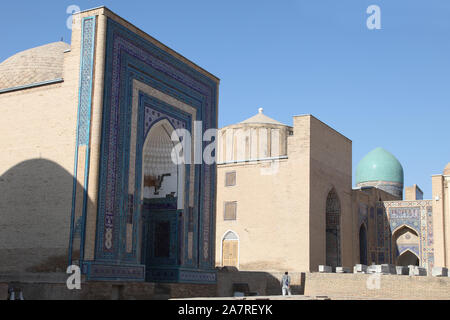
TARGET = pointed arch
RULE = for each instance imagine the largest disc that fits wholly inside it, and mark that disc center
(407, 258)
(333, 229)
(163, 172)
(406, 244)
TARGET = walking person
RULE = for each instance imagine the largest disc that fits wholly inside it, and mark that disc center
(286, 284)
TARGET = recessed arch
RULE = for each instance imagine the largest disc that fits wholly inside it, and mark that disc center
(163, 171)
(403, 226)
(406, 244)
(407, 258)
(333, 229)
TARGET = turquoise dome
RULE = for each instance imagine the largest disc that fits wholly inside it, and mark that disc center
(379, 165)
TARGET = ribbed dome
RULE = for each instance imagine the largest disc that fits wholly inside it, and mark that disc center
(379, 165)
(447, 170)
(35, 65)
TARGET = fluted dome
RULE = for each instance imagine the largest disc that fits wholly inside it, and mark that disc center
(380, 169)
(40, 64)
(257, 138)
(447, 170)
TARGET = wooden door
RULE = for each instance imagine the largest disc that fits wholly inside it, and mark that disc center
(230, 253)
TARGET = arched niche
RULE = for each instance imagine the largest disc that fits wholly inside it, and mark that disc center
(333, 229)
(163, 171)
(408, 258)
(406, 243)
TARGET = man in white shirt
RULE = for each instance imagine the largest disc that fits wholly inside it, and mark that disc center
(286, 284)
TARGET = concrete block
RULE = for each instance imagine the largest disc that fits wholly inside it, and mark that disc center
(402, 270)
(417, 271)
(325, 269)
(381, 269)
(439, 272)
(372, 269)
(342, 270)
(389, 268)
(411, 270)
(360, 268)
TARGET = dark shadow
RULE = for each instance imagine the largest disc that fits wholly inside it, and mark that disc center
(363, 245)
(35, 217)
(256, 283)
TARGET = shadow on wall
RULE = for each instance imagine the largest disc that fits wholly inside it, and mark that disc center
(230, 280)
(35, 214)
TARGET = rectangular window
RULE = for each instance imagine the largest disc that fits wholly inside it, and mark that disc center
(230, 210)
(230, 179)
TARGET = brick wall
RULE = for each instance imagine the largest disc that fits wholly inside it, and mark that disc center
(390, 286)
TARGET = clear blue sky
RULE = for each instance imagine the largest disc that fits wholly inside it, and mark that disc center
(388, 88)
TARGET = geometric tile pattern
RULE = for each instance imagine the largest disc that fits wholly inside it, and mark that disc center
(130, 57)
(81, 167)
(417, 215)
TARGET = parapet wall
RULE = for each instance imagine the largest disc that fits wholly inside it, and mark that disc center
(376, 286)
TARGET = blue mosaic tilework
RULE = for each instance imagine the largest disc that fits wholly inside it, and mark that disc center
(77, 227)
(417, 215)
(129, 57)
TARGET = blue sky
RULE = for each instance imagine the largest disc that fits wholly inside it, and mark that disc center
(388, 87)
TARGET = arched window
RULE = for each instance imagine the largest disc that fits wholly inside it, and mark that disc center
(230, 249)
(333, 235)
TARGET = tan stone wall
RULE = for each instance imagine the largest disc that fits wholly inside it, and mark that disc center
(281, 216)
(51, 288)
(37, 137)
(441, 223)
(412, 193)
(331, 167)
(272, 210)
(262, 283)
(391, 286)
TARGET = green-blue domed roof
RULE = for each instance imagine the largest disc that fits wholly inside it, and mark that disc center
(379, 165)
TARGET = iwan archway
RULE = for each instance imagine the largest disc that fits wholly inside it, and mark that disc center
(162, 197)
(406, 244)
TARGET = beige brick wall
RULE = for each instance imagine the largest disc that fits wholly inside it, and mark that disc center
(440, 236)
(37, 138)
(331, 167)
(272, 209)
(262, 283)
(390, 286)
(281, 216)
